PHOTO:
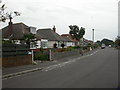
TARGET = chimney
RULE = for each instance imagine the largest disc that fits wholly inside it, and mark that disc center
(54, 29)
(10, 26)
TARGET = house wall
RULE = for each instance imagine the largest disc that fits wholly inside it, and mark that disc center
(59, 44)
(17, 41)
(38, 44)
(51, 43)
(73, 44)
(69, 44)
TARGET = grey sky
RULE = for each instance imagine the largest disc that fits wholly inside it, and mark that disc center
(102, 15)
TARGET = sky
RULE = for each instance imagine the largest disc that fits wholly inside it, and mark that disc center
(100, 15)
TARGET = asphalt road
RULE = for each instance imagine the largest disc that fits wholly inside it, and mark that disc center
(98, 70)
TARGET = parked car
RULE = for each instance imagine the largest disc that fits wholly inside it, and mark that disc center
(102, 46)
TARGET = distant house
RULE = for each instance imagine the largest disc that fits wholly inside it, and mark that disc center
(68, 42)
(16, 32)
(48, 38)
(86, 42)
(74, 41)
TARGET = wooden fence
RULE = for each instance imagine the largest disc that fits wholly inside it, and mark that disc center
(9, 50)
(15, 55)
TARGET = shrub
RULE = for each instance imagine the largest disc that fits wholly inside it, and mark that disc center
(6, 41)
(41, 50)
(76, 47)
(70, 48)
(84, 48)
(41, 56)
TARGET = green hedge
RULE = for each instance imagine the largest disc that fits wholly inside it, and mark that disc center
(41, 56)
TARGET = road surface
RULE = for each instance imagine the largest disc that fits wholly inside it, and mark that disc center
(97, 70)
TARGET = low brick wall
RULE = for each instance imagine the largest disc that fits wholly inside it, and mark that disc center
(16, 61)
(60, 55)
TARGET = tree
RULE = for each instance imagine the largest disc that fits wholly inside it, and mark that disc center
(29, 38)
(6, 15)
(2, 14)
(98, 42)
(107, 42)
(117, 42)
(76, 33)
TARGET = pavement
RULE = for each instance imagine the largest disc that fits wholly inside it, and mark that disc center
(14, 71)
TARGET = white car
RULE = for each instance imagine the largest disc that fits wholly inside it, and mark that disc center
(109, 46)
(102, 46)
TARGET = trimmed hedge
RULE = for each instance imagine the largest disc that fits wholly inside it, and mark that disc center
(41, 56)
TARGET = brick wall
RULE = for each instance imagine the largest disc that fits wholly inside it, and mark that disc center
(60, 55)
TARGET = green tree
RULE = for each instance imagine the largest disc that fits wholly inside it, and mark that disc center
(107, 42)
(117, 42)
(76, 33)
(98, 42)
(29, 38)
(2, 14)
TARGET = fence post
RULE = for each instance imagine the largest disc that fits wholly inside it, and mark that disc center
(32, 56)
(50, 54)
(33, 62)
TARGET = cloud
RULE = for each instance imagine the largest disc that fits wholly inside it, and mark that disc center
(98, 14)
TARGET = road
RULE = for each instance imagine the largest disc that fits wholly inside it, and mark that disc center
(98, 70)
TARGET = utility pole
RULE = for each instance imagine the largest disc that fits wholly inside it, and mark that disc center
(93, 35)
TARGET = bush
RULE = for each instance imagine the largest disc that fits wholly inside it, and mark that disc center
(41, 50)
(76, 47)
(59, 50)
(70, 48)
(84, 48)
(41, 56)
(89, 45)
(6, 42)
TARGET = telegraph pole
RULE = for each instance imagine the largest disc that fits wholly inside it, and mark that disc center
(93, 35)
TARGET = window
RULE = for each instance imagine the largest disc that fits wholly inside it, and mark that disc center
(33, 45)
(43, 44)
(33, 30)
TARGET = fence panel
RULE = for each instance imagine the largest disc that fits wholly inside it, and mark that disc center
(14, 50)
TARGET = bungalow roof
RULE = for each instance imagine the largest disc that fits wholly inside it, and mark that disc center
(49, 34)
(16, 32)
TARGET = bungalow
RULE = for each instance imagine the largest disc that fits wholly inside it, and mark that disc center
(74, 41)
(48, 38)
(45, 38)
(86, 42)
(15, 32)
(68, 41)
